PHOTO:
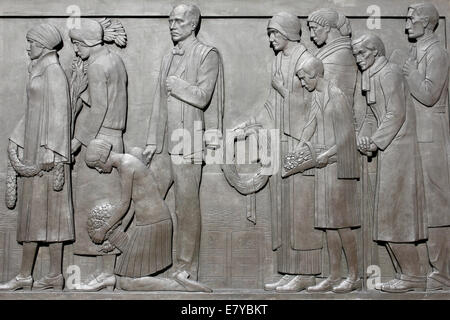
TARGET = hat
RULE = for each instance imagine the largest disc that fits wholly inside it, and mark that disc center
(287, 24)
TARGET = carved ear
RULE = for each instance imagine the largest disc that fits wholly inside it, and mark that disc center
(327, 28)
(426, 21)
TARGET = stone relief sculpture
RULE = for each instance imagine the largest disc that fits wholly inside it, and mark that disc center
(331, 32)
(100, 109)
(400, 216)
(336, 209)
(297, 244)
(319, 173)
(426, 72)
(184, 102)
(39, 152)
(146, 247)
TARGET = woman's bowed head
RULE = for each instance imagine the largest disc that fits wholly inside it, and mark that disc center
(98, 156)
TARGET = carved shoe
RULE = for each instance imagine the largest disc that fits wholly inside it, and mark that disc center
(297, 284)
(324, 286)
(97, 283)
(437, 282)
(272, 286)
(401, 286)
(182, 278)
(56, 283)
(348, 285)
(17, 283)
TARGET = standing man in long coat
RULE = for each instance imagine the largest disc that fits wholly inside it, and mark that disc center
(103, 116)
(183, 107)
(399, 217)
(43, 134)
(297, 244)
(426, 72)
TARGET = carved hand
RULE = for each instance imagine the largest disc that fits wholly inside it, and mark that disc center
(299, 145)
(322, 160)
(277, 84)
(149, 152)
(99, 235)
(409, 66)
(48, 161)
(75, 145)
(171, 82)
(366, 145)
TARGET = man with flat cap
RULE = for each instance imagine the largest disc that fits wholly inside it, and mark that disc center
(426, 72)
(188, 100)
(296, 242)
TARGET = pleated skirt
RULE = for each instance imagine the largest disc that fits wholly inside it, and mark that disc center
(149, 250)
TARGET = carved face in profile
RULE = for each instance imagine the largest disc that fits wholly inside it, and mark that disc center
(307, 79)
(365, 57)
(319, 34)
(415, 26)
(277, 41)
(81, 49)
(34, 49)
(101, 167)
(180, 24)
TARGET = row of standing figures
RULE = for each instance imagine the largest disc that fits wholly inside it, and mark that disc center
(394, 111)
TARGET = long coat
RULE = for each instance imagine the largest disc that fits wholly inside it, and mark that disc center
(189, 108)
(399, 202)
(340, 66)
(429, 88)
(331, 120)
(294, 238)
(45, 215)
(103, 117)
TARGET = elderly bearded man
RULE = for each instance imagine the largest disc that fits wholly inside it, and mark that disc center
(184, 102)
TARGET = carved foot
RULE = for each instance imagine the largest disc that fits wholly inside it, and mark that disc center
(297, 284)
(272, 286)
(182, 278)
(401, 286)
(17, 283)
(435, 281)
(98, 282)
(324, 286)
(56, 283)
(347, 286)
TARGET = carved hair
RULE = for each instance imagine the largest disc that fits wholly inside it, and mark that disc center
(371, 42)
(113, 31)
(194, 14)
(92, 32)
(97, 150)
(427, 10)
(333, 19)
(314, 64)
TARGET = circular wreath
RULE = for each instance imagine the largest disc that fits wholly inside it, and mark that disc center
(247, 185)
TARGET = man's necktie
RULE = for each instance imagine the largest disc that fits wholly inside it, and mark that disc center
(177, 51)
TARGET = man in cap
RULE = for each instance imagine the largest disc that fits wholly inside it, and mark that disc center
(183, 107)
(426, 72)
(296, 242)
(399, 217)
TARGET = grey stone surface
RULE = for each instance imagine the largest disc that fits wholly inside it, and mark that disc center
(234, 252)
